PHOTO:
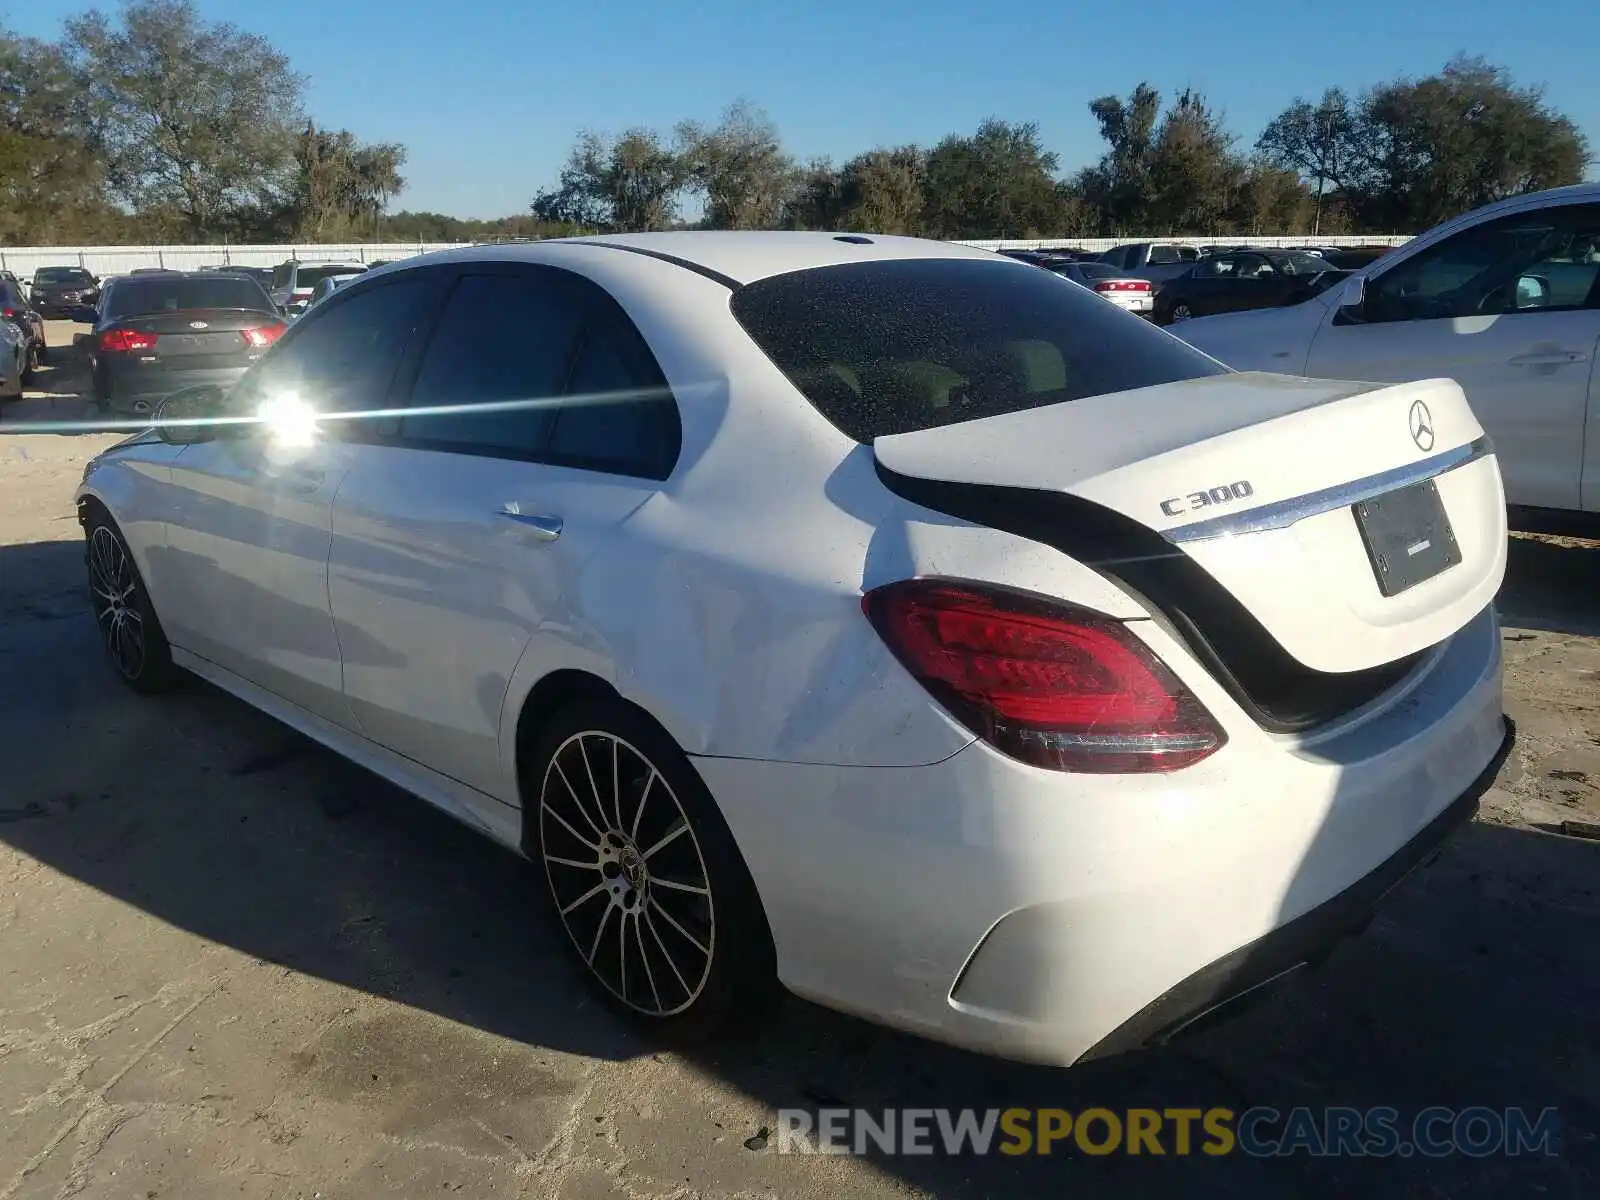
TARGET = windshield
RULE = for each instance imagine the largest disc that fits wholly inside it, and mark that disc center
(62, 275)
(132, 297)
(894, 346)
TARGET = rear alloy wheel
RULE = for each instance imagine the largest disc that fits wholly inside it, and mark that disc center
(645, 878)
(1180, 312)
(129, 630)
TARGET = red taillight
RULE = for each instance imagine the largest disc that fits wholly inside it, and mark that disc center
(1123, 285)
(264, 335)
(1045, 683)
(8, 312)
(130, 340)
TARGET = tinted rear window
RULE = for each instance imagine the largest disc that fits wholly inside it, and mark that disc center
(1097, 271)
(311, 276)
(891, 347)
(152, 295)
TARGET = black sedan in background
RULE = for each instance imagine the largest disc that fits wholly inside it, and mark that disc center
(154, 334)
(1239, 279)
(18, 310)
(56, 291)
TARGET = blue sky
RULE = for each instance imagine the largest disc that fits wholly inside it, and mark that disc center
(488, 96)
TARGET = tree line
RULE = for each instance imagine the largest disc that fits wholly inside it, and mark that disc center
(1398, 158)
(155, 125)
(159, 126)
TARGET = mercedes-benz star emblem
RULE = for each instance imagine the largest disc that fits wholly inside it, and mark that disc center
(198, 325)
(1420, 423)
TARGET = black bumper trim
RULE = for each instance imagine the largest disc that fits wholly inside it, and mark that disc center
(1309, 937)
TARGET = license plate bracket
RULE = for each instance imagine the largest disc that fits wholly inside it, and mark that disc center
(1407, 535)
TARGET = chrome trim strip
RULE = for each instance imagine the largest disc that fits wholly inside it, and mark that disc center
(1283, 513)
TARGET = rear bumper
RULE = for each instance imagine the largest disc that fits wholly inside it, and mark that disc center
(128, 389)
(1047, 917)
(1218, 988)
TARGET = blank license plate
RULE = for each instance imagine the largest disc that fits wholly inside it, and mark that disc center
(1407, 535)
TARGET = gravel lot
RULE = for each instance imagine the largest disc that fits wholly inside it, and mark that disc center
(231, 965)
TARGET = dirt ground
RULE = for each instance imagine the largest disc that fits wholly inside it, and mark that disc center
(231, 965)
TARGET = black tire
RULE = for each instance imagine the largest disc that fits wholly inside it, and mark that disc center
(680, 963)
(1179, 312)
(130, 632)
(34, 361)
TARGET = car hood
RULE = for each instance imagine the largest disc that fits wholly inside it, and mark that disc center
(1263, 339)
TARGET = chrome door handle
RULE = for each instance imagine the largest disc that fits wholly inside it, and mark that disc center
(545, 528)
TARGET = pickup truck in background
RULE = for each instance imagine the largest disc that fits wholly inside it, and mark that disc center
(1156, 261)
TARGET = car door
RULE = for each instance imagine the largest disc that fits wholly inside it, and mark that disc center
(1509, 309)
(247, 552)
(1206, 288)
(460, 545)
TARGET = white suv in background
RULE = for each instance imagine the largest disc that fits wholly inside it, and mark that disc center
(295, 280)
(1504, 300)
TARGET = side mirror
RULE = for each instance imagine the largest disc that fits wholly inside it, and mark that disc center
(1354, 292)
(1533, 291)
(82, 314)
(185, 417)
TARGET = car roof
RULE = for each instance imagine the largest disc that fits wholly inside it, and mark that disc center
(735, 257)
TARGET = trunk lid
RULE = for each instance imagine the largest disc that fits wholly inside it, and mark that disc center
(1253, 479)
(202, 338)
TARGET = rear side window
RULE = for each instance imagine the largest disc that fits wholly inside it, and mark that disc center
(134, 297)
(619, 416)
(496, 363)
(896, 346)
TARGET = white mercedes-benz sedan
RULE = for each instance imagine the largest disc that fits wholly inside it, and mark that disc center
(876, 616)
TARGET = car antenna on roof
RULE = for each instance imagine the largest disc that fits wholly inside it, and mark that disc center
(855, 239)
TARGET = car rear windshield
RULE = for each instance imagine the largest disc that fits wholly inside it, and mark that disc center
(311, 276)
(135, 297)
(1097, 271)
(61, 275)
(895, 346)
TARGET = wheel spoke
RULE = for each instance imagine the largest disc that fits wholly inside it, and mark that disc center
(577, 803)
(667, 954)
(680, 828)
(672, 885)
(572, 862)
(587, 896)
(644, 957)
(638, 813)
(562, 821)
(622, 951)
(594, 788)
(616, 782)
(605, 919)
(671, 920)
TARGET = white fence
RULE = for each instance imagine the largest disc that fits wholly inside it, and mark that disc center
(118, 260)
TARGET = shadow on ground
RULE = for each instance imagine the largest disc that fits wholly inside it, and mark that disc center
(1477, 985)
(1553, 585)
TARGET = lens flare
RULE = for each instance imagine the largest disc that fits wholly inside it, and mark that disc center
(290, 421)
